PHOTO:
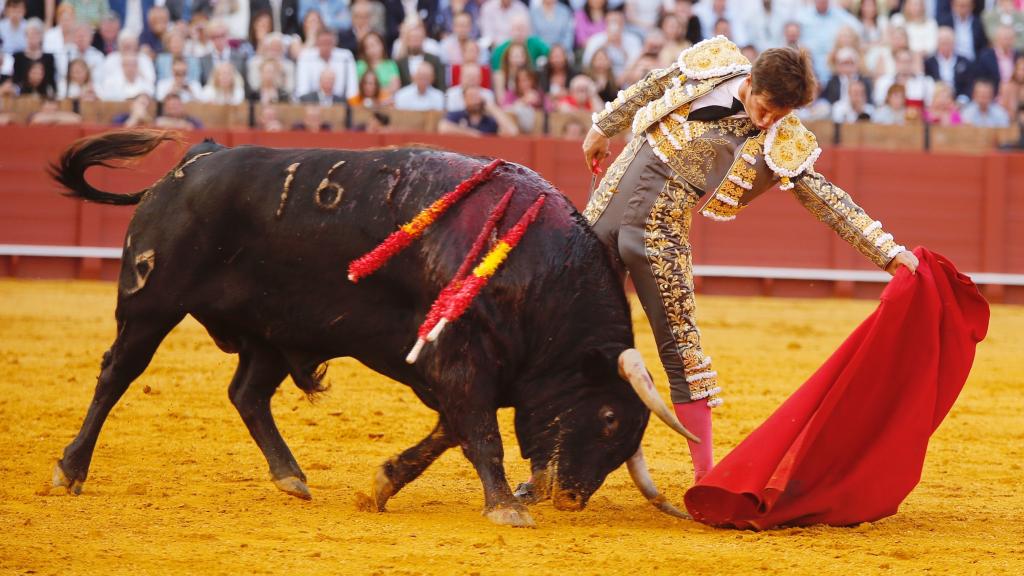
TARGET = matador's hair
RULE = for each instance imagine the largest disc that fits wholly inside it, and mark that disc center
(786, 76)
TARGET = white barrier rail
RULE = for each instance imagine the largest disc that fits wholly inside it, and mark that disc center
(711, 271)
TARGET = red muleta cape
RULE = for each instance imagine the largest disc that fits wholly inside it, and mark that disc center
(849, 445)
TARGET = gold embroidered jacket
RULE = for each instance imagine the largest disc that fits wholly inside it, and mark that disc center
(731, 160)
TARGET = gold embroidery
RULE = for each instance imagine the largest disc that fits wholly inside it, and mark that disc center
(726, 202)
(667, 247)
(610, 182)
(618, 115)
(713, 57)
(790, 149)
(831, 205)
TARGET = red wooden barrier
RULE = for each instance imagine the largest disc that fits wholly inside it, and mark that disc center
(969, 207)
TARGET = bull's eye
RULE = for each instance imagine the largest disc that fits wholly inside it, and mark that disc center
(609, 420)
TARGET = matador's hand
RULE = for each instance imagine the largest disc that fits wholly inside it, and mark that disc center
(595, 149)
(906, 259)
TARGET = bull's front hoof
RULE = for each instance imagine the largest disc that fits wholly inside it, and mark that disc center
(61, 480)
(293, 486)
(515, 515)
(383, 489)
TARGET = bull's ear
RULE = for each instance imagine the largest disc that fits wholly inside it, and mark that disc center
(599, 365)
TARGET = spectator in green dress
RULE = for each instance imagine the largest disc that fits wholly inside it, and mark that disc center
(372, 56)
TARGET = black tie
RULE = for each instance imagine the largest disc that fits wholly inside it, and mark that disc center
(709, 113)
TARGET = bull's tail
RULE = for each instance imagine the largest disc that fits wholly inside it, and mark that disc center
(100, 150)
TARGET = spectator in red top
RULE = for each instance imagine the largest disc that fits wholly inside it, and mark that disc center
(582, 96)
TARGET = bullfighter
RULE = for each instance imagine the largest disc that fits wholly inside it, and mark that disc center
(716, 131)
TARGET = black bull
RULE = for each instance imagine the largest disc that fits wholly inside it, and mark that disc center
(254, 243)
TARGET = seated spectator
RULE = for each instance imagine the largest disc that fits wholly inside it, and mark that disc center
(535, 47)
(452, 44)
(59, 39)
(413, 53)
(25, 61)
(89, 12)
(312, 120)
(363, 16)
(421, 94)
(51, 114)
(496, 17)
(373, 56)
(175, 45)
(12, 27)
(473, 119)
(922, 31)
(234, 14)
(556, 73)
(326, 55)
(126, 82)
(949, 67)
(151, 40)
(81, 47)
(590, 20)
(140, 111)
(271, 49)
(820, 24)
(413, 39)
(983, 111)
(34, 82)
(855, 108)
(267, 119)
(622, 47)
(675, 38)
(894, 110)
(128, 44)
(324, 94)
(640, 68)
(524, 101)
(179, 84)
(220, 50)
(872, 23)
(942, 111)
(847, 73)
(471, 52)
(470, 78)
(642, 15)
(574, 129)
(694, 30)
(968, 29)
(919, 87)
(582, 97)
(107, 34)
(271, 89)
(312, 24)
(553, 23)
(174, 116)
(335, 13)
(713, 12)
(1005, 13)
(261, 25)
(78, 84)
(516, 58)
(601, 72)
(224, 87)
(371, 95)
(996, 62)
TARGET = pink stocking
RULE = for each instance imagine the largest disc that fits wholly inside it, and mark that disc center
(696, 417)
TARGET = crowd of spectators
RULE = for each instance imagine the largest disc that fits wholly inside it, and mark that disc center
(497, 66)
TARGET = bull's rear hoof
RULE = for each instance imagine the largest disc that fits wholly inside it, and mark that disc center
(61, 480)
(514, 515)
(383, 489)
(293, 486)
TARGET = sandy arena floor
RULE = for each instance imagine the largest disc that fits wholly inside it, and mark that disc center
(177, 486)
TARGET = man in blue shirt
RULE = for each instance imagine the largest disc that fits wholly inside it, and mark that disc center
(474, 120)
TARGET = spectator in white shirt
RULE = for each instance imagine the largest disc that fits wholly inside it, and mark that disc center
(313, 61)
(12, 27)
(178, 83)
(621, 46)
(126, 82)
(421, 94)
(225, 86)
(496, 17)
(983, 111)
(81, 47)
(469, 77)
(919, 88)
(128, 44)
(855, 108)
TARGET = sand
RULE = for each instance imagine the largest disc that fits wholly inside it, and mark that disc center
(177, 486)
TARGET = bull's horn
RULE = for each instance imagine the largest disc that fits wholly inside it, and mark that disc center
(642, 478)
(632, 368)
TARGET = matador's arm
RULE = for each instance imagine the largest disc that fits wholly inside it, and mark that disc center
(833, 206)
(618, 114)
